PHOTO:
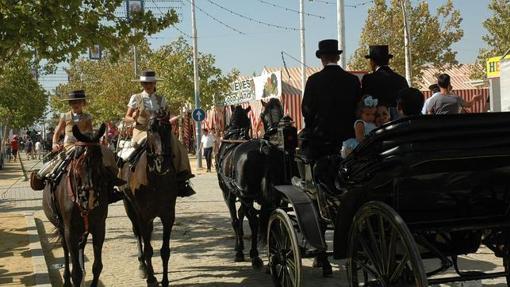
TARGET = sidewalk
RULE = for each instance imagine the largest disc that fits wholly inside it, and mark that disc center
(21, 259)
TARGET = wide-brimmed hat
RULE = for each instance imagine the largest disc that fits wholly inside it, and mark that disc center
(328, 47)
(75, 96)
(379, 52)
(147, 76)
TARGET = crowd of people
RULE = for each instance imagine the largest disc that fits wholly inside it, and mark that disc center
(32, 144)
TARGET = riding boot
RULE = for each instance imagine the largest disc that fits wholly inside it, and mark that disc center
(184, 188)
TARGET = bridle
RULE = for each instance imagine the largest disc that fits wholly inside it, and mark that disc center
(80, 197)
(158, 158)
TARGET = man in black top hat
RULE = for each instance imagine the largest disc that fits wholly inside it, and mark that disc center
(329, 104)
(383, 83)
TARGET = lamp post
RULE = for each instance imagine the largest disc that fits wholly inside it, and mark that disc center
(341, 30)
(196, 82)
(407, 43)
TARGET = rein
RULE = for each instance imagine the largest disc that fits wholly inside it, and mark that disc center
(74, 165)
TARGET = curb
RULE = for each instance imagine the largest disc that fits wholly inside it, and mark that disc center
(39, 265)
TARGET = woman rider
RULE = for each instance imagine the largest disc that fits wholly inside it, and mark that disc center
(140, 107)
(76, 116)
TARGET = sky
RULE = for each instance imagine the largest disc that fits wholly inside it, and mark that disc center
(262, 45)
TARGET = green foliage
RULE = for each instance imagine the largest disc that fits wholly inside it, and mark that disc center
(60, 30)
(497, 37)
(109, 85)
(432, 36)
(174, 63)
(22, 98)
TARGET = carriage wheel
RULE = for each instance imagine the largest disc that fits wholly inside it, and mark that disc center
(283, 251)
(382, 250)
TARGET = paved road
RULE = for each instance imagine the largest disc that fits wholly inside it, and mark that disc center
(202, 246)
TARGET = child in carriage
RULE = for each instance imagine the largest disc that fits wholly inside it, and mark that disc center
(366, 113)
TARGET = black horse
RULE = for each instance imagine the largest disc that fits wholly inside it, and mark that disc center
(247, 169)
(78, 205)
(152, 193)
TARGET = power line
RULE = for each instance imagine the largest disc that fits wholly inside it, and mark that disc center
(346, 5)
(176, 28)
(217, 20)
(290, 9)
(290, 56)
(252, 19)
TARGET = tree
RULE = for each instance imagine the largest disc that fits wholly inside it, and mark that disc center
(61, 30)
(497, 37)
(109, 85)
(432, 36)
(174, 63)
(23, 100)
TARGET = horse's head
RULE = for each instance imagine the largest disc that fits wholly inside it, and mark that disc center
(239, 122)
(272, 114)
(88, 177)
(159, 152)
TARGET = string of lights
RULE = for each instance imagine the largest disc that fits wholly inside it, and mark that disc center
(346, 5)
(252, 19)
(217, 20)
(176, 28)
(290, 9)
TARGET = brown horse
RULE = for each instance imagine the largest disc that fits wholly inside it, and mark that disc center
(152, 193)
(78, 205)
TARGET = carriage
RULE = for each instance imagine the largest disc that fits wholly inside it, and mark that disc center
(430, 187)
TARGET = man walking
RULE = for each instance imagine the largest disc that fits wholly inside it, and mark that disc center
(383, 83)
(329, 104)
(207, 143)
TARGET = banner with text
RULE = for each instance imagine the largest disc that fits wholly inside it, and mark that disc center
(266, 86)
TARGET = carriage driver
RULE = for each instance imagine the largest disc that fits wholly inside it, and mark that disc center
(140, 107)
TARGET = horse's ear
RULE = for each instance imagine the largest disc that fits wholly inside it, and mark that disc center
(100, 133)
(264, 104)
(78, 135)
(232, 109)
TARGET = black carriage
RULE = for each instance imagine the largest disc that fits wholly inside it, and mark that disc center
(418, 188)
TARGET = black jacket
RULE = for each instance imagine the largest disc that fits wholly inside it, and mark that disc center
(329, 105)
(384, 84)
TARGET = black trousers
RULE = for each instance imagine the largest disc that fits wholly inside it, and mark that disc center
(208, 157)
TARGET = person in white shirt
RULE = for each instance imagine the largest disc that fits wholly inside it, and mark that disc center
(434, 89)
(207, 144)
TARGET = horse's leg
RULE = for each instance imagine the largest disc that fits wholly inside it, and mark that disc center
(147, 252)
(321, 260)
(76, 273)
(97, 241)
(253, 220)
(136, 231)
(67, 271)
(230, 200)
(81, 256)
(168, 223)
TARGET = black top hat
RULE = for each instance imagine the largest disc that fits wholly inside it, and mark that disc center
(379, 52)
(328, 47)
(147, 76)
(75, 96)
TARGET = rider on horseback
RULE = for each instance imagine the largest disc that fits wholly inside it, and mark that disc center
(140, 107)
(76, 116)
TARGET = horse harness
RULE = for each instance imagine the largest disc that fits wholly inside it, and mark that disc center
(80, 199)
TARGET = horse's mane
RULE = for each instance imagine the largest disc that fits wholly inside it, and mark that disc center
(275, 109)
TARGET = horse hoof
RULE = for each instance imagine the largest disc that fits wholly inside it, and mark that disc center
(153, 283)
(239, 258)
(316, 263)
(257, 263)
(164, 283)
(327, 270)
(142, 273)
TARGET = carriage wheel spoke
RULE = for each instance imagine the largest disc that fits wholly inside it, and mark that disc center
(383, 246)
(293, 279)
(379, 261)
(366, 269)
(391, 251)
(398, 270)
(369, 253)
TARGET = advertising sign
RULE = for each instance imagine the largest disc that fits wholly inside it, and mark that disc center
(266, 86)
(493, 66)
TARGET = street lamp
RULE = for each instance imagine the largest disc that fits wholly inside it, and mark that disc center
(134, 6)
(407, 43)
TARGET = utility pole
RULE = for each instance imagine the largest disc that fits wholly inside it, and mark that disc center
(407, 43)
(197, 84)
(302, 32)
(135, 62)
(341, 30)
